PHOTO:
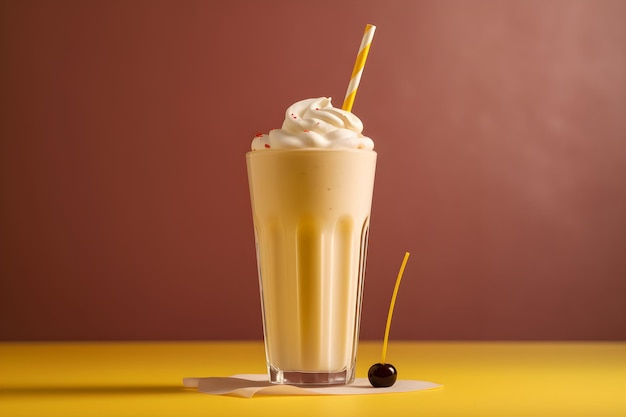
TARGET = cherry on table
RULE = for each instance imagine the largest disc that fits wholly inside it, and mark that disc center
(382, 375)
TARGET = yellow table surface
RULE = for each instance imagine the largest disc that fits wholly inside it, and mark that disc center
(480, 378)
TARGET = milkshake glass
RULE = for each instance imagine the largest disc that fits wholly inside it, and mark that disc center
(311, 212)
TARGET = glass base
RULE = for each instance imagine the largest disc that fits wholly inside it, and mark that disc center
(278, 376)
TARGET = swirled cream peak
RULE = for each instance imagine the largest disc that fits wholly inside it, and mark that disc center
(315, 123)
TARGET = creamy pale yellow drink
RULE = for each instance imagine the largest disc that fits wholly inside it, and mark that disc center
(311, 188)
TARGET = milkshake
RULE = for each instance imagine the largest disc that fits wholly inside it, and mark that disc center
(311, 186)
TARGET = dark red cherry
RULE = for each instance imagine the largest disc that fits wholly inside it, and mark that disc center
(382, 375)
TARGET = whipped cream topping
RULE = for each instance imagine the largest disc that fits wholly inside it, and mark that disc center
(315, 123)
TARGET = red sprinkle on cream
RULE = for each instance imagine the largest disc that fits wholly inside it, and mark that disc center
(259, 135)
(267, 145)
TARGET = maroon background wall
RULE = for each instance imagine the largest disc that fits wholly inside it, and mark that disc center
(500, 128)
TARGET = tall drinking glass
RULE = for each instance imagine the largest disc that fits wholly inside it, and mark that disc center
(311, 213)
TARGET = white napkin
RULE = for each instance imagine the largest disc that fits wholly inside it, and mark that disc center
(248, 385)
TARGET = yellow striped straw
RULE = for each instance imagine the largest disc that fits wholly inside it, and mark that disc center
(359, 64)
